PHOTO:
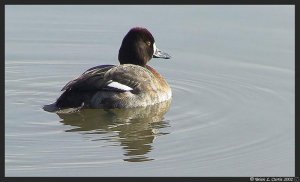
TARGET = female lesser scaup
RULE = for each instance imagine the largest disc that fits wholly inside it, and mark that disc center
(130, 84)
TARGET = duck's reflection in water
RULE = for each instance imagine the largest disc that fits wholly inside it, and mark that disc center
(136, 128)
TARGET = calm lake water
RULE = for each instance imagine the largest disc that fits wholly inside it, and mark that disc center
(232, 74)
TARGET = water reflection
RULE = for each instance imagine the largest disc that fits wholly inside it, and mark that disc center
(135, 129)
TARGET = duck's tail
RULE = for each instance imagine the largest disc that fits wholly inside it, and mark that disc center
(51, 107)
(54, 109)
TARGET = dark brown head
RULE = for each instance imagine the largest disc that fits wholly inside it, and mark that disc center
(138, 47)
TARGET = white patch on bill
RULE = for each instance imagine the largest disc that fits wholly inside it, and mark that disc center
(154, 48)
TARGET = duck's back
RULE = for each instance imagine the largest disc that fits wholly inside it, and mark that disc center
(109, 86)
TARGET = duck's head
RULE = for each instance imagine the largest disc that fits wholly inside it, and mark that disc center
(138, 47)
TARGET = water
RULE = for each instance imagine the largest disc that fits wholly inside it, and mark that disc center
(232, 75)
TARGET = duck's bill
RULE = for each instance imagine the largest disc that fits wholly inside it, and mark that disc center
(160, 54)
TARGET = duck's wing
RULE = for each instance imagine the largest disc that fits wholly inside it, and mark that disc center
(91, 79)
(119, 78)
(131, 77)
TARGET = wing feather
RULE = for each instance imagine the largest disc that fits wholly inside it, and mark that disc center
(92, 79)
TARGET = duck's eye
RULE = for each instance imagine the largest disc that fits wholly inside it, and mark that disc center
(148, 43)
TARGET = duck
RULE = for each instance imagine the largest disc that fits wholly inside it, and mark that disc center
(130, 84)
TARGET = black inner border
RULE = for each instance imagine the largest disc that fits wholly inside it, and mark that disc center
(128, 2)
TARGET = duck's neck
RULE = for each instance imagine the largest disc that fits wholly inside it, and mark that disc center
(133, 60)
